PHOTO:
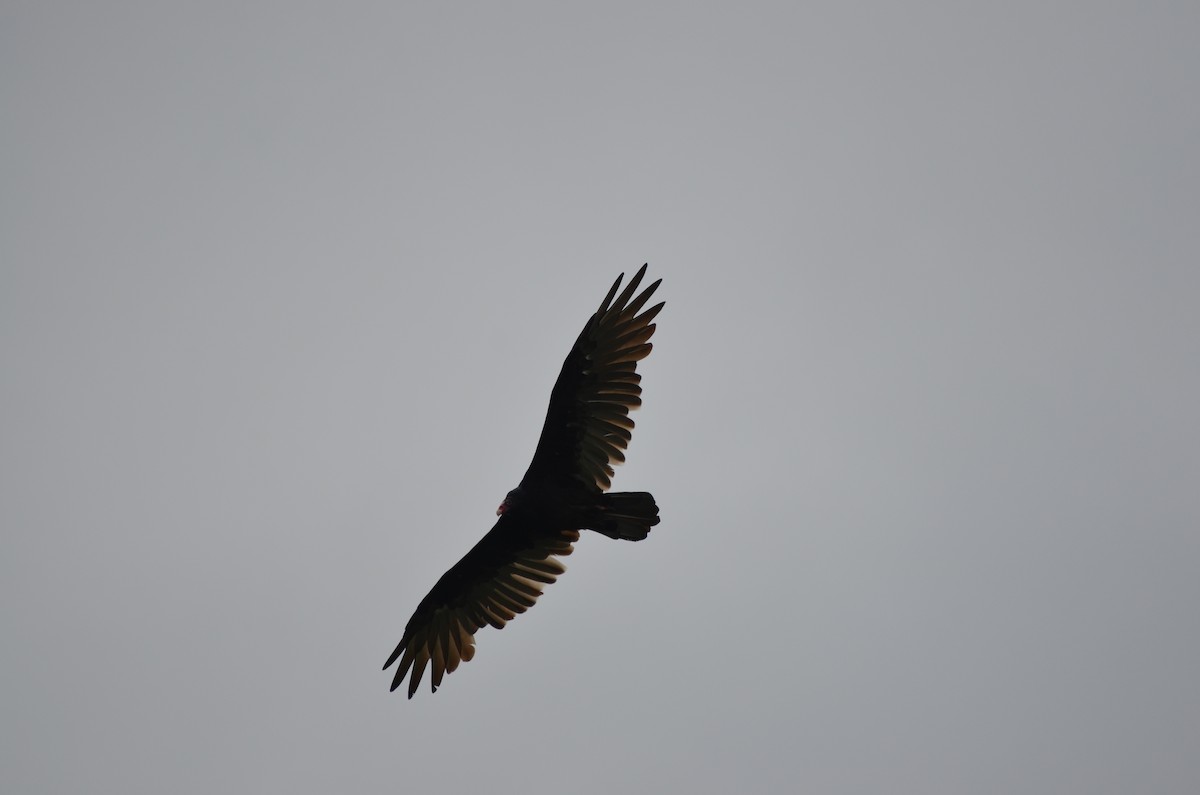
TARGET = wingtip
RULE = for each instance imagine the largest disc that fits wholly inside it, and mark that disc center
(396, 654)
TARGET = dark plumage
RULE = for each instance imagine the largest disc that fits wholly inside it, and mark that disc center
(587, 430)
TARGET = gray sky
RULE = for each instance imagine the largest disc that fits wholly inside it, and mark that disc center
(284, 288)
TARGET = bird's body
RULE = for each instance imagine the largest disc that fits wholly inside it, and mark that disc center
(586, 431)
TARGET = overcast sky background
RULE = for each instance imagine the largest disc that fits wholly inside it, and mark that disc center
(284, 288)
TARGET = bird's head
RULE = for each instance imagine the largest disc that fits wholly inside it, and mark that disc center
(511, 500)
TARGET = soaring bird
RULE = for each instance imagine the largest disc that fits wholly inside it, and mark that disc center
(565, 490)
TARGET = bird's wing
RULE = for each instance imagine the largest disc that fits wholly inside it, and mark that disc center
(501, 576)
(587, 425)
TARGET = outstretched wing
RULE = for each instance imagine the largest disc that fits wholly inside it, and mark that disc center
(587, 425)
(501, 576)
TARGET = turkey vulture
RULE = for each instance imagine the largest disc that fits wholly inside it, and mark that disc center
(587, 430)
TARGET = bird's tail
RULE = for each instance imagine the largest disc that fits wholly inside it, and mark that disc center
(625, 514)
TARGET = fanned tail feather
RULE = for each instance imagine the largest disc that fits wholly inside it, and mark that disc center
(626, 515)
